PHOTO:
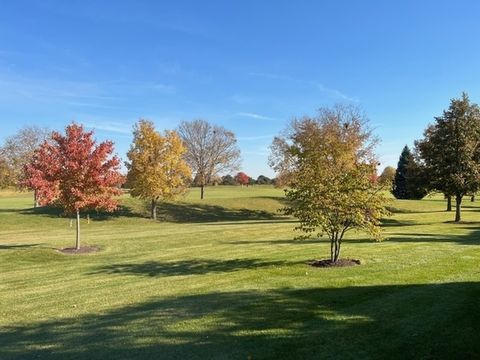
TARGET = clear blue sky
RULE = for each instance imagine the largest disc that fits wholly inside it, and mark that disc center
(247, 65)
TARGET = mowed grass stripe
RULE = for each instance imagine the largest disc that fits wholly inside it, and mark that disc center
(223, 278)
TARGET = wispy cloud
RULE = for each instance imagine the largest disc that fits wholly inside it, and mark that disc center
(109, 126)
(253, 116)
(335, 93)
(78, 94)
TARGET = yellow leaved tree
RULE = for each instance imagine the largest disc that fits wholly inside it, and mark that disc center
(156, 170)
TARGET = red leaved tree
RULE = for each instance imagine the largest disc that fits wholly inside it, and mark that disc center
(242, 178)
(75, 173)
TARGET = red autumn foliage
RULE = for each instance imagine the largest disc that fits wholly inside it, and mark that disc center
(75, 172)
(242, 178)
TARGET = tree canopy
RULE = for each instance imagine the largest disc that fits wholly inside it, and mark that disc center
(157, 169)
(409, 180)
(211, 150)
(74, 172)
(330, 162)
(387, 176)
(450, 151)
(242, 179)
(16, 152)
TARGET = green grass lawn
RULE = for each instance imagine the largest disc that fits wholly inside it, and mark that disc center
(223, 279)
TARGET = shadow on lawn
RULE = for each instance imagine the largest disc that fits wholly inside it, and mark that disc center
(187, 267)
(432, 321)
(196, 213)
(51, 211)
(170, 212)
(397, 210)
(19, 246)
(388, 222)
(472, 238)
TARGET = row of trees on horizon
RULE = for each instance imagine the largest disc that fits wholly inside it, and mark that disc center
(74, 172)
(446, 159)
(326, 163)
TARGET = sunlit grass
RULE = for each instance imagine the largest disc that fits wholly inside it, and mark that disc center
(223, 279)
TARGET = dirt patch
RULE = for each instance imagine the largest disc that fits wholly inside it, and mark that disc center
(86, 249)
(328, 263)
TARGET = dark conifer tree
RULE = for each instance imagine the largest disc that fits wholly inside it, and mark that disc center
(399, 189)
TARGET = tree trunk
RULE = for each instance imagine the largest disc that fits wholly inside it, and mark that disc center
(334, 248)
(472, 199)
(458, 208)
(337, 250)
(201, 191)
(77, 241)
(35, 200)
(153, 210)
(449, 203)
(332, 257)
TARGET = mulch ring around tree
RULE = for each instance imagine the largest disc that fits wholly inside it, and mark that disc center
(86, 249)
(328, 263)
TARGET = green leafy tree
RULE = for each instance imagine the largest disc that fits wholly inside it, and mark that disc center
(264, 180)
(228, 180)
(387, 176)
(331, 161)
(450, 151)
(156, 170)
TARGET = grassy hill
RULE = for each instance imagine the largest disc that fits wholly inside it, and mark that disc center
(223, 279)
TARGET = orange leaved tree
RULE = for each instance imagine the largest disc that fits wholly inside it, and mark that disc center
(75, 173)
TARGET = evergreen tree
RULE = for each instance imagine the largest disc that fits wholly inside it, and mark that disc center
(400, 181)
(409, 181)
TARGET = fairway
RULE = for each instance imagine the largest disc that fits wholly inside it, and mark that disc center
(223, 278)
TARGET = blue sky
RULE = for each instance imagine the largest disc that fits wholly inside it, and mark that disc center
(247, 65)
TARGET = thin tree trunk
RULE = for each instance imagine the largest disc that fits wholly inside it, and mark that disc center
(331, 250)
(339, 245)
(472, 199)
(35, 200)
(449, 203)
(201, 191)
(77, 241)
(337, 250)
(153, 210)
(458, 208)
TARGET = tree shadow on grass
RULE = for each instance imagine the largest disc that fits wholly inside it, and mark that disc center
(186, 267)
(197, 213)
(428, 321)
(50, 211)
(394, 222)
(472, 238)
(279, 220)
(9, 210)
(18, 246)
(169, 212)
(397, 210)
